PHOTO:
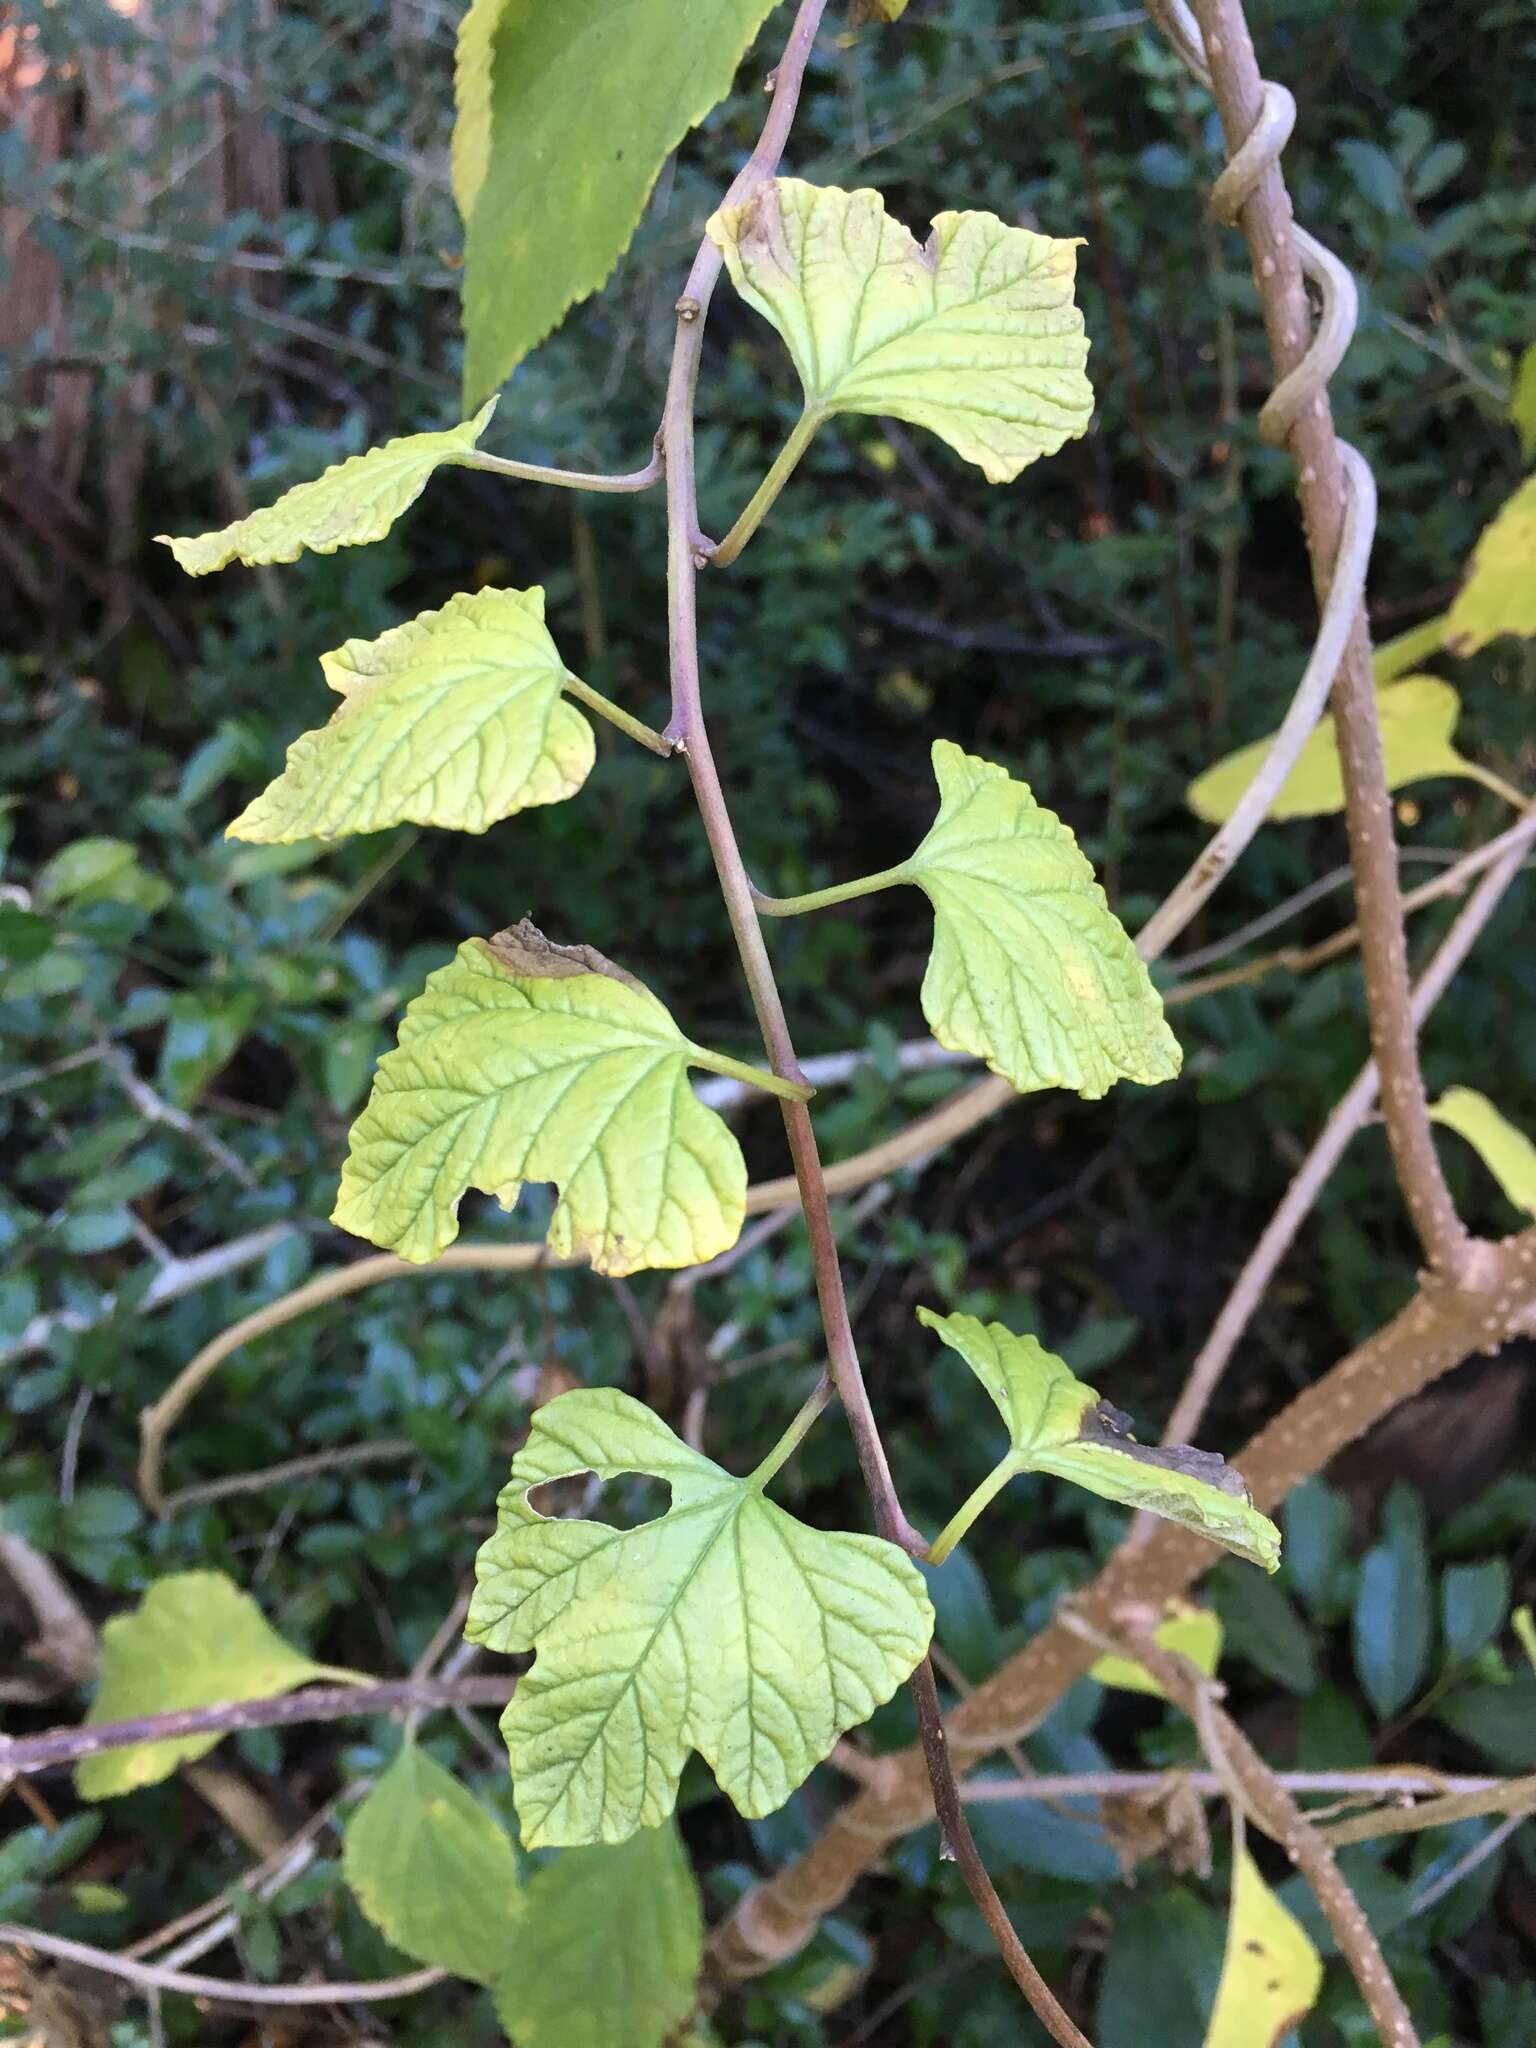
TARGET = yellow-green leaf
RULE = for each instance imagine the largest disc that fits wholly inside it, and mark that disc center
(522, 1060)
(455, 718)
(433, 1871)
(1271, 1974)
(1031, 970)
(1187, 1630)
(351, 503)
(1418, 715)
(1499, 594)
(570, 112)
(973, 335)
(614, 1937)
(725, 1626)
(1057, 1424)
(1506, 1151)
(194, 1640)
(1523, 1622)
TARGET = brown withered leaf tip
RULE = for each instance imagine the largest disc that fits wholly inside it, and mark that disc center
(1111, 1426)
(525, 953)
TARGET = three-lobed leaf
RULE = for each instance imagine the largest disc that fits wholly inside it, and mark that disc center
(521, 1060)
(349, 504)
(724, 1626)
(1504, 1149)
(1417, 714)
(1499, 593)
(194, 1640)
(614, 1940)
(1057, 1424)
(973, 335)
(1271, 1972)
(567, 116)
(433, 1871)
(1031, 970)
(455, 718)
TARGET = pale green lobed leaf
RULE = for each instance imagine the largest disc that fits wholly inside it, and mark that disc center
(1058, 1424)
(586, 102)
(455, 718)
(1499, 594)
(522, 1060)
(1503, 1148)
(349, 504)
(194, 1640)
(974, 335)
(1031, 970)
(433, 1871)
(624, 1975)
(725, 1626)
(1417, 714)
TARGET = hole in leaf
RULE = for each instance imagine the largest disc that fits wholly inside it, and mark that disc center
(625, 1502)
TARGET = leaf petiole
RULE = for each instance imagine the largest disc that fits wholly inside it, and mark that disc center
(755, 1077)
(794, 1436)
(972, 1508)
(1475, 772)
(758, 507)
(565, 479)
(840, 892)
(645, 735)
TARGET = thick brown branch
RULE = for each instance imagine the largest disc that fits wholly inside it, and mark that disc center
(1440, 1327)
(1266, 220)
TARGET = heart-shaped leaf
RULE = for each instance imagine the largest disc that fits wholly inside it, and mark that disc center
(351, 503)
(1418, 715)
(1499, 594)
(1505, 1150)
(973, 334)
(726, 1626)
(455, 718)
(521, 1060)
(1031, 970)
(433, 1870)
(1057, 1424)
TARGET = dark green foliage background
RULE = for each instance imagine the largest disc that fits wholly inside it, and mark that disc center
(1068, 626)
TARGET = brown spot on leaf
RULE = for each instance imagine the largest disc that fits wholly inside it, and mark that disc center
(525, 953)
(1111, 1427)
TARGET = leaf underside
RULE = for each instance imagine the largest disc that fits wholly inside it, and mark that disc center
(519, 1061)
(1031, 970)
(974, 336)
(1499, 594)
(615, 1938)
(455, 718)
(1057, 1424)
(194, 1640)
(1418, 714)
(433, 1871)
(583, 105)
(349, 504)
(726, 1626)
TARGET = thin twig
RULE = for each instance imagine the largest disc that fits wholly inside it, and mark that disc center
(1266, 1802)
(24, 1755)
(151, 1976)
